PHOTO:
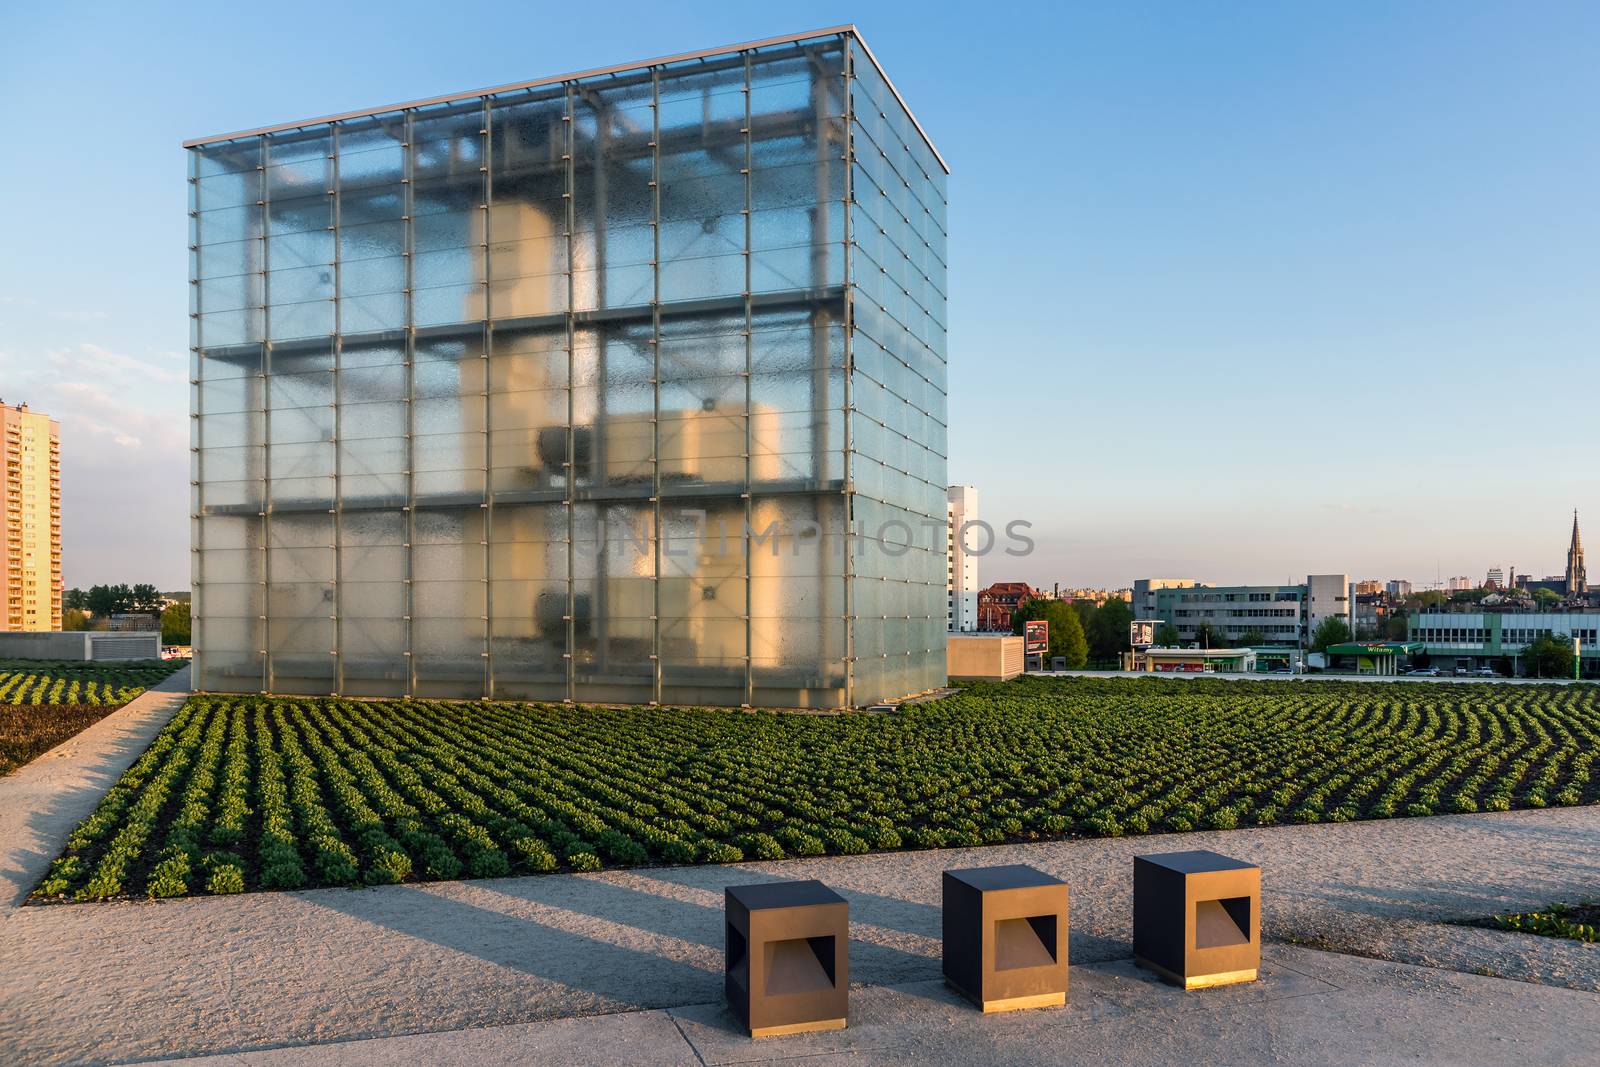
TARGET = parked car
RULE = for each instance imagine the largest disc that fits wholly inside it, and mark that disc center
(1281, 670)
(1424, 672)
(1486, 672)
(1462, 672)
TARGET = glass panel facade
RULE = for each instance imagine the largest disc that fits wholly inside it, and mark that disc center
(622, 388)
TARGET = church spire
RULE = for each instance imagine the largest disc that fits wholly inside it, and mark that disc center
(1577, 582)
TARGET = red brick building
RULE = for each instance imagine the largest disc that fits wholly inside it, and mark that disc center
(996, 603)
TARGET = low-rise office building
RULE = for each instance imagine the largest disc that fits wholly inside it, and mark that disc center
(1146, 592)
(1279, 614)
(1483, 639)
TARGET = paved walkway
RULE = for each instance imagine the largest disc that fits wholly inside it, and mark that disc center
(42, 801)
(1308, 1007)
(100, 983)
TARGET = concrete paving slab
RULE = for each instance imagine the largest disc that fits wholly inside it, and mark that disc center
(84, 983)
(1308, 1007)
(635, 1039)
(890, 1017)
(1118, 1015)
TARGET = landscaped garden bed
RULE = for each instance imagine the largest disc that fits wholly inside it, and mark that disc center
(248, 793)
(101, 685)
(42, 704)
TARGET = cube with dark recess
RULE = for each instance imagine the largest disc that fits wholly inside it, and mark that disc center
(1005, 937)
(1197, 918)
(788, 957)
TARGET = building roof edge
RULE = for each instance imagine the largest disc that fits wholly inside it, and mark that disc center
(849, 29)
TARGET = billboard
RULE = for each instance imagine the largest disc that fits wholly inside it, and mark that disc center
(1035, 637)
(1142, 632)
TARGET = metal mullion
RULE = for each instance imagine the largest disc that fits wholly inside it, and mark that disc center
(408, 202)
(748, 696)
(821, 319)
(197, 404)
(849, 373)
(655, 379)
(338, 427)
(488, 344)
(571, 460)
(598, 438)
(266, 428)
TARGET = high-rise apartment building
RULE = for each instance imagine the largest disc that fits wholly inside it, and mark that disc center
(961, 565)
(626, 385)
(30, 537)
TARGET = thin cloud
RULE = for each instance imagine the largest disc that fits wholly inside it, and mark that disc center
(124, 452)
(94, 362)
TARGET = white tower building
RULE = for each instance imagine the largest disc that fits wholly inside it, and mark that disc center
(961, 565)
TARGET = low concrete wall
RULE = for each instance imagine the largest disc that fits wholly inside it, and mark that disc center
(80, 645)
(984, 657)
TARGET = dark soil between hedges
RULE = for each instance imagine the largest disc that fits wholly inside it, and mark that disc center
(29, 731)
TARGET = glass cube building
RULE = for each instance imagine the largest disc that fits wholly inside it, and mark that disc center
(623, 386)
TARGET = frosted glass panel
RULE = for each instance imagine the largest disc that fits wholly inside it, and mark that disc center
(545, 396)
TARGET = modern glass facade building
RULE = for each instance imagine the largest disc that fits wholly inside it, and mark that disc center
(624, 386)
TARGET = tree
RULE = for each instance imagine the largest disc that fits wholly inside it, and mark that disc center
(1396, 628)
(1066, 632)
(1549, 656)
(110, 599)
(75, 619)
(145, 598)
(175, 624)
(75, 600)
(1544, 598)
(1252, 638)
(1329, 632)
(1108, 632)
(1208, 636)
(1085, 611)
(1167, 635)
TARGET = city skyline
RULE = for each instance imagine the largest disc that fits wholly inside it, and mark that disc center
(1366, 255)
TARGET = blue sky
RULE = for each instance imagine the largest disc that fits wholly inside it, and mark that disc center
(1278, 288)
